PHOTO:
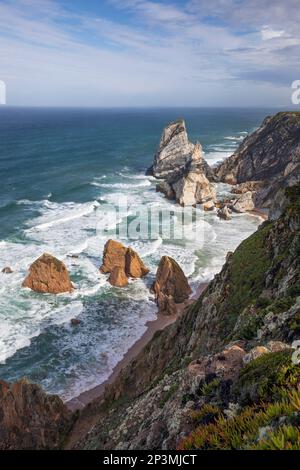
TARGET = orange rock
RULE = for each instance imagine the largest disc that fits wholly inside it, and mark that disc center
(116, 255)
(113, 255)
(134, 266)
(48, 275)
(171, 286)
(118, 277)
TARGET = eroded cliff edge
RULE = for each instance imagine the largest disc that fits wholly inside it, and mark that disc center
(268, 160)
(222, 376)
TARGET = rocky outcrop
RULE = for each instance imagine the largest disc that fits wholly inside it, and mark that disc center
(171, 286)
(270, 347)
(224, 213)
(134, 266)
(269, 157)
(165, 188)
(184, 174)
(48, 275)
(7, 270)
(174, 152)
(209, 206)
(31, 419)
(194, 188)
(226, 364)
(252, 186)
(113, 255)
(121, 262)
(243, 203)
(118, 277)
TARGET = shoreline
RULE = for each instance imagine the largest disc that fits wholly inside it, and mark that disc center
(161, 322)
(263, 213)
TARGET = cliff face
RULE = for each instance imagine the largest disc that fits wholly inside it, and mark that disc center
(31, 419)
(270, 156)
(226, 359)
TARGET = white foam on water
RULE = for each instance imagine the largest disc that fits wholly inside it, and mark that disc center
(73, 228)
(132, 186)
(214, 157)
(234, 138)
(59, 214)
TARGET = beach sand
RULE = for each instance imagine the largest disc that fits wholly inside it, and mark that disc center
(159, 323)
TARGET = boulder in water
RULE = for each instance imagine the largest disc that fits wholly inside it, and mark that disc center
(171, 286)
(128, 262)
(118, 277)
(113, 255)
(7, 270)
(134, 266)
(224, 213)
(48, 275)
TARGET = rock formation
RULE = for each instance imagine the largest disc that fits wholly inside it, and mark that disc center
(121, 263)
(252, 186)
(224, 213)
(113, 255)
(117, 277)
(7, 270)
(165, 188)
(243, 203)
(134, 266)
(269, 158)
(184, 174)
(226, 364)
(193, 188)
(171, 286)
(48, 275)
(174, 152)
(31, 419)
(209, 206)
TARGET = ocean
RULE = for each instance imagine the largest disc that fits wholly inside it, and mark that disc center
(59, 168)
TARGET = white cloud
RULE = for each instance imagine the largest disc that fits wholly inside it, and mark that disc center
(268, 33)
(168, 56)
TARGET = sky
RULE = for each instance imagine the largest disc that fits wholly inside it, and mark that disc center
(140, 53)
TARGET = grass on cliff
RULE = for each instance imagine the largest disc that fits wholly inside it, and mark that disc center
(255, 427)
(271, 418)
(248, 267)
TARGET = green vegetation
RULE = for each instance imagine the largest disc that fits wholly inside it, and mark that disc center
(267, 378)
(208, 388)
(246, 277)
(244, 430)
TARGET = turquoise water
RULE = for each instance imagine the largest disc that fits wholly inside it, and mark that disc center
(58, 168)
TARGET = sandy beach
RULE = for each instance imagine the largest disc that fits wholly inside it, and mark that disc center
(159, 323)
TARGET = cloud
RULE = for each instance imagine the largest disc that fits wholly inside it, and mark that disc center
(268, 33)
(146, 52)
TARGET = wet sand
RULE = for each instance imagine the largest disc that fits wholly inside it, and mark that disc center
(159, 323)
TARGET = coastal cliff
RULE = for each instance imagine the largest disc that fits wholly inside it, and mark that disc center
(226, 360)
(267, 160)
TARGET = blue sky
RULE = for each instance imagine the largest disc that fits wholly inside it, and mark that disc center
(149, 52)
